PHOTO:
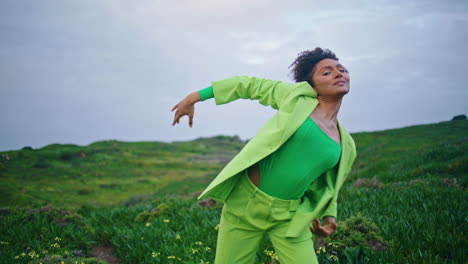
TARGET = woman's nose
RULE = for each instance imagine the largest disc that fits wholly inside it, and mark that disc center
(338, 74)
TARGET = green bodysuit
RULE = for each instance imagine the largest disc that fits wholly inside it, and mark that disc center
(289, 171)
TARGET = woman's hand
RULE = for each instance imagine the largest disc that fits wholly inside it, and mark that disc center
(327, 229)
(186, 107)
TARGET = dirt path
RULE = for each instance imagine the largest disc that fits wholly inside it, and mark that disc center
(104, 254)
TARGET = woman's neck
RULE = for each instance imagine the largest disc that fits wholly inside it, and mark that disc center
(327, 110)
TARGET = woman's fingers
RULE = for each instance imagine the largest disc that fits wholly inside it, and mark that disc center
(176, 120)
(315, 225)
(179, 114)
(322, 230)
(190, 119)
(317, 222)
(177, 117)
(175, 114)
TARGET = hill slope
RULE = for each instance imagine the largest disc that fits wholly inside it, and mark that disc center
(411, 182)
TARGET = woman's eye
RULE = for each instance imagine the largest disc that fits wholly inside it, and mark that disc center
(326, 73)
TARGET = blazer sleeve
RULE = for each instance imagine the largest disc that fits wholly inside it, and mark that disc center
(332, 207)
(268, 92)
(331, 210)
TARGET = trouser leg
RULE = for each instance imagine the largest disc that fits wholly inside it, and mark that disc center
(247, 214)
(294, 250)
(236, 244)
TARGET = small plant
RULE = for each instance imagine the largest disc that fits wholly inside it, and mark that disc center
(450, 182)
(368, 183)
(353, 237)
(85, 191)
(54, 215)
(272, 257)
(145, 216)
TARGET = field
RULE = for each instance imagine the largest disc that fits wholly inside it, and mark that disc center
(68, 203)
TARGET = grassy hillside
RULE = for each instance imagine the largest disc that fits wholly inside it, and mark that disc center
(109, 172)
(411, 182)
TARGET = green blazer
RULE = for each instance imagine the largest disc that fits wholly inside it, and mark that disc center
(294, 102)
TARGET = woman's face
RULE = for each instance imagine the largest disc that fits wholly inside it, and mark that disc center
(330, 78)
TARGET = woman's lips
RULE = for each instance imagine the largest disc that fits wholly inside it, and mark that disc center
(339, 83)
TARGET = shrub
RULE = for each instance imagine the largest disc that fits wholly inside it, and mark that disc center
(85, 190)
(145, 216)
(136, 199)
(459, 117)
(357, 233)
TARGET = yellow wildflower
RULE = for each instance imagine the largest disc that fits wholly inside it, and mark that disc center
(275, 256)
(199, 243)
(207, 248)
(55, 245)
(166, 220)
(155, 254)
(177, 237)
(57, 239)
(334, 257)
(147, 224)
(194, 250)
(171, 257)
(216, 227)
(321, 249)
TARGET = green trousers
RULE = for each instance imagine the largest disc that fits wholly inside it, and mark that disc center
(247, 215)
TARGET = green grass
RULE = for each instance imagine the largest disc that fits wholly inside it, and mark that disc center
(417, 197)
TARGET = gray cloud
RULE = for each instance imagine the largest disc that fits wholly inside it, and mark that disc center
(81, 71)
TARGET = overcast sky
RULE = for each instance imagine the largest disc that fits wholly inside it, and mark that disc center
(87, 70)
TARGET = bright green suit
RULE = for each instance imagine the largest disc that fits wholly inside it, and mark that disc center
(294, 102)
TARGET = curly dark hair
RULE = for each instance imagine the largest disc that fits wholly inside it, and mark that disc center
(305, 63)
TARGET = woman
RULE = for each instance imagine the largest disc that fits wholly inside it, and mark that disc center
(288, 176)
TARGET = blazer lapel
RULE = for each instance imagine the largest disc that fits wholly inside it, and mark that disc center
(346, 150)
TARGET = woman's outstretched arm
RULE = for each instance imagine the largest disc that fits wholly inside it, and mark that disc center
(268, 92)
